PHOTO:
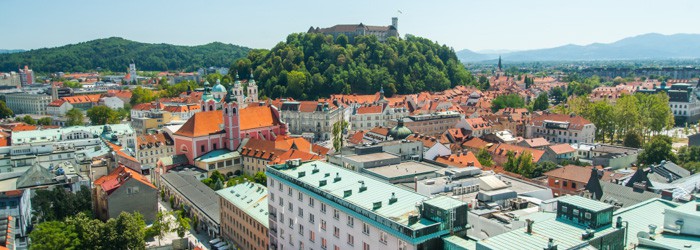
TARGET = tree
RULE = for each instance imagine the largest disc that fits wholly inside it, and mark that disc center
(57, 204)
(484, 83)
(542, 102)
(507, 101)
(161, 226)
(72, 84)
(141, 95)
(657, 149)
(5, 112)
(633, 140)
(182, 223)
(28, 120)
(338, 130)
(54, 235)
(75, 117)
(130, 231)
(296, 84)
(101, 115)
(260, 178)
(484, 157)
(45, 121)
(342, 40)
(627, 115)
(601, 113)
(558, 94)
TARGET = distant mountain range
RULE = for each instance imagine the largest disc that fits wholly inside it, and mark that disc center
(8, 51)
(116, 53)
(643, 47)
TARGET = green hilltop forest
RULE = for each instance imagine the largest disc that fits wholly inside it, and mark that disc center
(116, 53)
(308, 66)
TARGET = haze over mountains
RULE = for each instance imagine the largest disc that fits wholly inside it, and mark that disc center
(642, 47)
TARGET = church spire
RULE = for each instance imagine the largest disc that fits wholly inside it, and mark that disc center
(499, 64)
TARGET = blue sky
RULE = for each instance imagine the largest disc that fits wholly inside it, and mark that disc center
(466, 24)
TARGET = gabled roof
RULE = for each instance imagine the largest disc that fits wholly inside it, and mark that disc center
(119, 176)
(376, 109)
(475, 143)
(563, 148)
(502, 149)
(380, 131)
(203, 123)
(536, 142)
(154, 140)
(295, 154)
(82, 98)
(257, 117)
(57, 103)
(356, 138)
(460, 159)
(428, 141)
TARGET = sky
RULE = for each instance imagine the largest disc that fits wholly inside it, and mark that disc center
(468, 24)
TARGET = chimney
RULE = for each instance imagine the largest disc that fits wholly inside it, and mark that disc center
(529, 225)
(393, 198)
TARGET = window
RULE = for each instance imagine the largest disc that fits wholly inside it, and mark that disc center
(323, 208)
(301, 196)
(564, 209)
(324, 243)
(301, 230)
(573, 185)
(566, 184)
(289, 191)
(311, 202)
(290, 207)
(365, 246)
(301, 212)
(281, 202)
(351, 221)
(382, 237)
(575, 212)
(323, 225)
(291, 223)
(336, 232)
(272, 197)
(202, 147)
(280, 187)
(311, 218)
(351, 239)
(132, 190)
(588, 215)
(336, 214)
(365, 228)
(402, 245)
(312, 236)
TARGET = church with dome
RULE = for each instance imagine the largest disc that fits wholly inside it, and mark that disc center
(227, 118)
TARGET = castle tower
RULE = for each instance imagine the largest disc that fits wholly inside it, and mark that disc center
(231, 121)
(252, 89)
(395, 22)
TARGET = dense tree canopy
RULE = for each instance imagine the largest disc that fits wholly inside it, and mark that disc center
(5, 112)
(658, 149)
(101, 115)
(541, 103)
(75, 117)
(507, 101)
(308, 66)
(82, 232)
(115, 54)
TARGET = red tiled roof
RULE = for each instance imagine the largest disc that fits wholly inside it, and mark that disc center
(118, 149)
(319, 150)
(82, 98)
(294, 154)
(478, 123)
(119, 176)
(356, 138)
(475, 143)
(572, 173)
(563, 148)
(203, 123)
(257, 117)
(153, 140)
(262, 149)
(376, 109)
(536, 142)
(57, 103)
(380, 131)
(428, 141)
(460, 159)
(503, 149)
(18, 126)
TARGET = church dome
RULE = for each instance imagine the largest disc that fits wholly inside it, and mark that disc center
(218, 87)
(400, 132)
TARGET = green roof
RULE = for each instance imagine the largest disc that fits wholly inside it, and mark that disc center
(444, 202)
(55, 135)
(566, 235)
(218, 155)
(588, 204)
(250, 197)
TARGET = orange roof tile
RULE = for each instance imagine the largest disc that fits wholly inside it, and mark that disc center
(563, 148)
(203, 123)
(258, 117)
(376, 109)
(294, 154)
(356, 138)
(502, 149)
(428, 141)
(82, 98)
(116, 178)
(460, 159)
(380, 131)
(475, 143)
(57, 103)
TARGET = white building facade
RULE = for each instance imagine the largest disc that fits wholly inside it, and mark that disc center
(316, 205)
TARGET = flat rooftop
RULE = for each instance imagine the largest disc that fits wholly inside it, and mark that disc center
(371, 157)
(407, 168)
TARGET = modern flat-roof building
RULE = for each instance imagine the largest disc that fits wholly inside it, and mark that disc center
(244, 216)
(322, 206)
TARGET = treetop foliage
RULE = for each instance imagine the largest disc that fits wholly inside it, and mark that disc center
(309, 65)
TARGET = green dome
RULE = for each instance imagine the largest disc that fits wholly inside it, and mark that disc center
(400, 132)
